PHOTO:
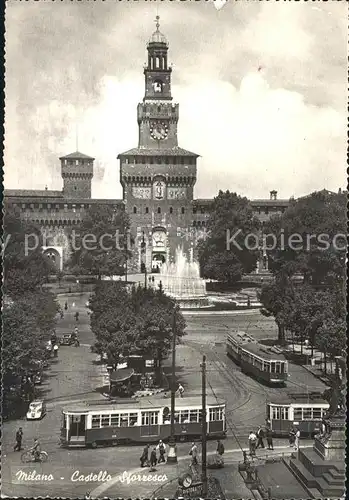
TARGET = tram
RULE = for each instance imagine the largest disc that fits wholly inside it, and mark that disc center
(142, 421)
(263, 362)
(303, 411)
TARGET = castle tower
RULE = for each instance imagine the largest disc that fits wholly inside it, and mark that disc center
(77, 173)
(158, 176)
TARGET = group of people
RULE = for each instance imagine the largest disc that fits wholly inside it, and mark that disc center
(153, 459)
(256, 439)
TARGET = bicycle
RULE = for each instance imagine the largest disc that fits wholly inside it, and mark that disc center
(28, 456)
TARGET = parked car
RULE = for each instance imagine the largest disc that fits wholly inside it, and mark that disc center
(67, 339)
(36, 410)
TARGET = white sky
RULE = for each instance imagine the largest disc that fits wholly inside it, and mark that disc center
(261, 87)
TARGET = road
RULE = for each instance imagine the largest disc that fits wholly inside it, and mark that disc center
(75, 375)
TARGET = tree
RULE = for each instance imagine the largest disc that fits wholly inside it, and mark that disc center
(29, 311)
(137, 321)
(25, 266)
(99, 245)
(331, 338)
(277, 300)
(310, 238)
(231, 248)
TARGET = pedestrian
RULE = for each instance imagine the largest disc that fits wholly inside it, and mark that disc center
(220, 451)
(292, 436)
(180, 390)
(296, 439)
(260, 436)
(153, 458)
(252, 441)
(270, 439)
(194, 454)
(77, 316)
(55, 350)
(19, 437)
(61, 313)
(162, 450)
(267, 423)
(144, 457)
(66, 306)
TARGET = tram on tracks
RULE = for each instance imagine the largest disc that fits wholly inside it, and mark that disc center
(143, 421)
(263, 362)
(302, 411)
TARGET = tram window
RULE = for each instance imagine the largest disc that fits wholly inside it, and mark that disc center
(184, 417)
(200, 415)
(216, 414)
(284, 413)
(266, 366)
(275, 412)
(307, 414)
(277, 367)
(193, 416)
(105, 421)
(316, 412)
(133, 418)
(258, 363)
(150, 418)
(124, 420)
(282, 367)
(114, 420)
(297, 413)
(96, 419)
(272, 366)
(176, 416)
(64, 422)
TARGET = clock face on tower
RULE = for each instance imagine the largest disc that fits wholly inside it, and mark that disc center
(158, 130)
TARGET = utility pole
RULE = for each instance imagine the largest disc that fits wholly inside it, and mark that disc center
(172, 452)
(204, 429)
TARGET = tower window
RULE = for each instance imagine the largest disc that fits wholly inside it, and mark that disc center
(157, 62)
(159, 210)
(159, 109)
(76, 162)
(146, 210)
(134, 210)
(182, 210)
(171, 210)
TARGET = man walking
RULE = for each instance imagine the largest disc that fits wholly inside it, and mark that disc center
(296, 440)
(153, 459)
(220, 451)
(180, 390)
(270, 439)
(194, 454)
(260, 436)
(162, 450)
(19, 437)
(252, 441)
(144, 457)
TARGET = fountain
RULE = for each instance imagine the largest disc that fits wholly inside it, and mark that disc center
(181, 280)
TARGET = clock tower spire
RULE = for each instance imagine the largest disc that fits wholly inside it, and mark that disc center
(157, 116)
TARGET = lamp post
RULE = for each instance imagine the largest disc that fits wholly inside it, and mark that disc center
(172, 452)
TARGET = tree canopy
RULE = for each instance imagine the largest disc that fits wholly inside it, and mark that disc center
(315, 309)
(224, 254)
(29, 311)
(137, 321)
(99, 245)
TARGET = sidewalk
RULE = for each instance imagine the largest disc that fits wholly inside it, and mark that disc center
(162, 482)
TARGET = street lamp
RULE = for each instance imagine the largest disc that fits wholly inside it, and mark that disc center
(172, 452)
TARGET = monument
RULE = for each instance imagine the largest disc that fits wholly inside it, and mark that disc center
(322, 469)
